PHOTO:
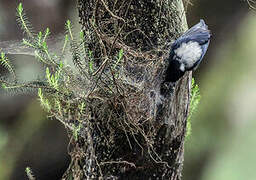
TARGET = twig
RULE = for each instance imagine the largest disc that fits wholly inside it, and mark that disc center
(102, 66)
(118, 162)
(129, 49)
(110, 12)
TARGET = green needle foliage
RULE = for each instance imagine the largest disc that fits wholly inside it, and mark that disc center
(23, 21)
(44, 101)
(120, 57)
(194, 101)
(7, 64)
(69, 84)
(29, 173)
(57, 76)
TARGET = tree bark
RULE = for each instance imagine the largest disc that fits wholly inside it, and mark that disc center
(140, 133)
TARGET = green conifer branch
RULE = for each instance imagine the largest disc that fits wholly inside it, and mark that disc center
(64, 45)
(74, 49)
(6, 64)
(194, 101)
(119, 58)
(68, 26)
(39, 37)
(29, 173)
(44, 101)
(46, 34)
(24, 23)
(91, 70)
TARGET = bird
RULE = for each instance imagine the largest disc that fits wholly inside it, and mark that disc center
(187, 51)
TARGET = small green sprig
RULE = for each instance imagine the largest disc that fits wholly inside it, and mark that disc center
(119, 58)
(46, 34)
(53, 79)
(29, 173)
(68, 26)
(75, 49)
(64, 45)
(37, 41)
(81, 107)
(194, 101)
(39, 38)
(91, 70)
(44, 101)
(23, 21)
(4, 61)
(76, 131)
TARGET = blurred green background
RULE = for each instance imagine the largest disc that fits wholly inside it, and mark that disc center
(222, 145)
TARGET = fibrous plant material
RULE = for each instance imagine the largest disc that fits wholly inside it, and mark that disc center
(123, 121)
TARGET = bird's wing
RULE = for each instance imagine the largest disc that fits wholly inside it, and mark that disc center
(198, 33)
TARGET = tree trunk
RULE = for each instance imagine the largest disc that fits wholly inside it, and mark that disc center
(138, 131)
